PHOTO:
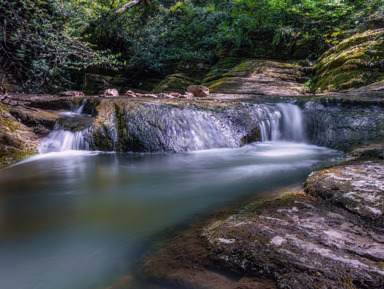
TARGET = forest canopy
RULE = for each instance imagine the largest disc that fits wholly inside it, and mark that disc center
(45, 45)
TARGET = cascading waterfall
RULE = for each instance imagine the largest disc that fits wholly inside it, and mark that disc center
(77, 111)
(153, 127)
(283, 123)
(62, 140)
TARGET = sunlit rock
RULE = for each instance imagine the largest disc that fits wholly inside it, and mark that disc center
(198, 90)
(111, 92)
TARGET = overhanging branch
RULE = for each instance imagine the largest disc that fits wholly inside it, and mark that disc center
(125, 7)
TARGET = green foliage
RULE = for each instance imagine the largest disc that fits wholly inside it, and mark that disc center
(35, 52)
(54, 38)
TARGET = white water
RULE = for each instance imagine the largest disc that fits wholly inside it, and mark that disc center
(77, 111)
(283, 124)
(60, 140)
(192, 130)
(72, 218)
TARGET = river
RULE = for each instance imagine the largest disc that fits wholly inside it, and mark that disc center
(80, 219)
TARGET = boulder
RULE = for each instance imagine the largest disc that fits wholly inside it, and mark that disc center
(262, 77)
(130, 93)
(71, 93)
(16, 140)
(111, 92)
(198, 90)
(174, 83)
(354, 63)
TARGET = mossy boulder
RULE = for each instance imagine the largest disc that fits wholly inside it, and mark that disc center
(222, 67)
(174, 83)
(261, 77)
(357, 61)
(97, 83)
(16, 140)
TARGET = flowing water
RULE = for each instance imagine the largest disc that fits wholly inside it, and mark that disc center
(79, 219)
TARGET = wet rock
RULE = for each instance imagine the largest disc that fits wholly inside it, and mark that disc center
(300, 242)
(344, 122)
(163, 124)
(71, 93)
(16, 140)
(41, 121)
(357, 186)
(186, 263)
(198, 90)
(261, 77)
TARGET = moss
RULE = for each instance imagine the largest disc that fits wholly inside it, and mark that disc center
(251, 137)
(338, 79)
(357, 61)
(282, 201)
(219, 85)
(219, 69)
(174, 83)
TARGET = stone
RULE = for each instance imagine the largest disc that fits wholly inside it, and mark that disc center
(187, 95)
(174, 94)
(261, 77)
(355, 186)
(16, 140)
(198, 90)
(130, 93)
(111, 92)
(73, 93)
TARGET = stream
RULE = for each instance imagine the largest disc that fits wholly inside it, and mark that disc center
(74, 218)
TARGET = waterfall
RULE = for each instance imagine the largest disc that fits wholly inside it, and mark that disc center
(284, 123)
(76, 111)
(152, 127)
(62, 140)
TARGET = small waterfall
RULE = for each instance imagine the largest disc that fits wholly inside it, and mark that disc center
(62, 140)
(76, 111)
(285, 123)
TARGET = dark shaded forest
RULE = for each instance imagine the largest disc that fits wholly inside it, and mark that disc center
(47, 46)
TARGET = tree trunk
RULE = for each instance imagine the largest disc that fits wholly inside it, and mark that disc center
(125, 7)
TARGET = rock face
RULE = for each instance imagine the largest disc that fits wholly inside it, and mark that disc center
(357, 61)
(358, 186)
(198, 90)
(16, 140)
(298, 240)
(331, 237)
(143, 124)
(261, 77)
(342, 122)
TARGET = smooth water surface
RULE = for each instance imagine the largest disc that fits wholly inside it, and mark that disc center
(78, 219)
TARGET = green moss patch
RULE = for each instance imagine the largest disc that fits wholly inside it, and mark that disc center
(174, 83)
(357, 61)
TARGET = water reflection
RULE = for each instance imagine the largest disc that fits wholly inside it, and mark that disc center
(78, 219)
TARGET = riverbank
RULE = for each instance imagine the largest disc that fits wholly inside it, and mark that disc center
(327, 234)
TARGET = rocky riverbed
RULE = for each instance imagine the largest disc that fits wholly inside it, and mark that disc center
(327, 234)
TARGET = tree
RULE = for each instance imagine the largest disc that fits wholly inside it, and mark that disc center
(35, 52)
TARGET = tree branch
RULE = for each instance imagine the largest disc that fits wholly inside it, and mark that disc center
(125, 7)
